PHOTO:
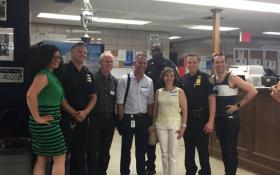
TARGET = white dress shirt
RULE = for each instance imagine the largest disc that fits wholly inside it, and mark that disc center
(140, 94)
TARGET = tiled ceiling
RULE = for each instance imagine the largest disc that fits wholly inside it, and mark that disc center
(167, 17)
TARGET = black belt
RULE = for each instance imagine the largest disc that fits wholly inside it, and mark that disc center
(136, 115)
(197, 113)
(103, 115)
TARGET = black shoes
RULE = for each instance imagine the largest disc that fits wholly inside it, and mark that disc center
(150, 172)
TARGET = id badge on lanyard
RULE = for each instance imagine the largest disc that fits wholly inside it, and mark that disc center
(132, 122)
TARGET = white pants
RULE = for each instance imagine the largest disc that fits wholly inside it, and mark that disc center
(169, 149)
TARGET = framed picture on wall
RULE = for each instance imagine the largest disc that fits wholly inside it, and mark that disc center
(3, 10)
(6, 44)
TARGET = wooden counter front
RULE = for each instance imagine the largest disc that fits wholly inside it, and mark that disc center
(259, 137)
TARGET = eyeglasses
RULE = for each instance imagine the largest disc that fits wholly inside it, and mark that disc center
(218, 54)
(57, 57)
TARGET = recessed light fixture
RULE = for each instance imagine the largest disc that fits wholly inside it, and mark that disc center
(204, 27)
(174, 37)
(234, 4)
(94, 19)
(271, 33)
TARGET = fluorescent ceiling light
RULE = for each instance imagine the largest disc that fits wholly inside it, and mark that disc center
(174, 37)
(203, 27)
(232, 4)
(82, 31)
(271, 33)
(59, 16)
(94, 19)
(120, 21)
(73, 39)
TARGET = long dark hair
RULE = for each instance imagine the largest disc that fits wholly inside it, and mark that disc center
(40, 55)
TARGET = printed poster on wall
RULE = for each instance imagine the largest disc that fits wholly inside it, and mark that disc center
(11, 74)
(129, 58)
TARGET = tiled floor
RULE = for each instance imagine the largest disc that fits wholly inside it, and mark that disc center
(216, 165)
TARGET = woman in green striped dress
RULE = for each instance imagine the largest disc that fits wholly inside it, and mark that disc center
(44, 98)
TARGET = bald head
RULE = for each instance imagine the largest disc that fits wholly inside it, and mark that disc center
(156, 51)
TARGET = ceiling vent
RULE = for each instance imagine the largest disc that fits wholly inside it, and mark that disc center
(64, 1)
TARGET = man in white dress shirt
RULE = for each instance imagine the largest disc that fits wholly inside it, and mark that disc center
(134, 114)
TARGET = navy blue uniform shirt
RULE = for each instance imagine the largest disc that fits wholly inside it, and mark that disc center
(154, 68)
(197, 89)
(78, 85)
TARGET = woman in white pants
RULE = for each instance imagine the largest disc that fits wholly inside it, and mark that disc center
(170, 118)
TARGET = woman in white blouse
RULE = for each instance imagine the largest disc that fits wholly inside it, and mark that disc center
(170, 118)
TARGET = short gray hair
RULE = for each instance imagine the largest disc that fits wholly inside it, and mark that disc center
(106, 54)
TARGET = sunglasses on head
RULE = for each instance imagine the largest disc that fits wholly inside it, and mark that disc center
(218, 54)
(79, 44)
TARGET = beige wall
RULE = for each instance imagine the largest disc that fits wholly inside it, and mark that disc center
(112, 38)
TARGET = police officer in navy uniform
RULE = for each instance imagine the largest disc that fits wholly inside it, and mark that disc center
(199, 89)
(103, 119)
(154, 68)
(79, 88)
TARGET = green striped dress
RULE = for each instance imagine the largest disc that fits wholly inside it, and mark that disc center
(48, 140)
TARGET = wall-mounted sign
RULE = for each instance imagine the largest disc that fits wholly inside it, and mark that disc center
(3, 10)
(11, 74)
(6, 44)
(154, 38)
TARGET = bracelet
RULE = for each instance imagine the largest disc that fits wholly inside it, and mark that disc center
(184, 125)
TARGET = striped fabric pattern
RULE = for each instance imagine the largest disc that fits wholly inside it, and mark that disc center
(47, 140)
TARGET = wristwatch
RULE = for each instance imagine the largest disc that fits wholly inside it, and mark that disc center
(238, 105)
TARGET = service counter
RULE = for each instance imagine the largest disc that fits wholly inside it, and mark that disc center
(259, 137)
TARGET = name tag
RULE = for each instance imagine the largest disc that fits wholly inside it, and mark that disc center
(173, 93)
(144, 89)
(112, 92)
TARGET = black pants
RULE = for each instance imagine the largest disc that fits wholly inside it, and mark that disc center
(227, 130)
(76, 140)
(100, 139)
(195, 137)
(141, 142)
(151, 155)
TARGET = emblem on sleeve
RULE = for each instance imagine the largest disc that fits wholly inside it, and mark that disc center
(211, 80)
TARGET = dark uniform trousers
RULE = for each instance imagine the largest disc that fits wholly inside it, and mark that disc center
(76, 140)
(195, 137)
(227, 130)
(140, 131)
(101, 134)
